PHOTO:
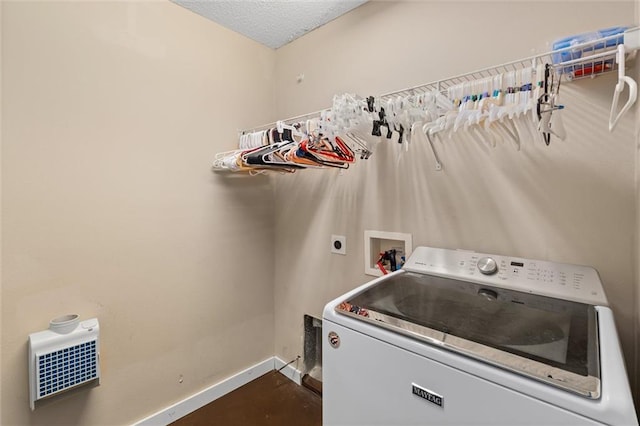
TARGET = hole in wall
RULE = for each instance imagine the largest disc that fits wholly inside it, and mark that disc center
(312, 368)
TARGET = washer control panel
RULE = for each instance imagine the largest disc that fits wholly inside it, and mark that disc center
(561, 280)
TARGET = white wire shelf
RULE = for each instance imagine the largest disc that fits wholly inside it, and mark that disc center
(586, 60)
(574, 62)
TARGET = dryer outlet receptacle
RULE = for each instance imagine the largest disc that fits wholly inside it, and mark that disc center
(339, 244)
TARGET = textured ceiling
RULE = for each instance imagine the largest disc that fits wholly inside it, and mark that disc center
(272, 23)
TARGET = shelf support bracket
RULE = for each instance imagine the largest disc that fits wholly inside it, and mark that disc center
(433, 150)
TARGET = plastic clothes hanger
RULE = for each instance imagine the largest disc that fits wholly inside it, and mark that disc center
(227, 160)
(298, 156)
(467, 106)
(480, 112)
(363, 149)
(271, 157)
(441, 102)
(242, 140)
(550, 119)
(493, 110)
(249, 140)
(493, 105)
(536, 91)
(525, 90)
(510, 98)
(318, 151)
(542, 100)
(622, 79)
(324, 149)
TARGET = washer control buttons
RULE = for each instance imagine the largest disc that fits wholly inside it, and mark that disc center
(487, 265)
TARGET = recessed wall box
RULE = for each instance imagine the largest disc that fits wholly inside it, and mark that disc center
(377, 242)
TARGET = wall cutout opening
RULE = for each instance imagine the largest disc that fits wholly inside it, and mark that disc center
(312, 369)
(379, 246)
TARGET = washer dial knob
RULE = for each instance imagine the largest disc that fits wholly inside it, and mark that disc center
(487, 265)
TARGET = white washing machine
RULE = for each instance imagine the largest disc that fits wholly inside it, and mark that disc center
(458, 337)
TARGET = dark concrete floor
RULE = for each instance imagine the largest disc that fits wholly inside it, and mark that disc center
(270, 400)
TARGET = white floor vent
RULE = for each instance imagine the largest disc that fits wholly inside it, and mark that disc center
(63, 357)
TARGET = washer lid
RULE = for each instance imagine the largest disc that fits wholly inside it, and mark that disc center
(548, 339)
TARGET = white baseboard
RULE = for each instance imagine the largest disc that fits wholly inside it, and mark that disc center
(291, 371)
(202, 398)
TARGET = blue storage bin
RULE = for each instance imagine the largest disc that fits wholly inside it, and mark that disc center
(567, 55)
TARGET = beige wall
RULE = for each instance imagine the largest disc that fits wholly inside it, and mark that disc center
(112, 113)
(1, 133)
(635, 72)
(573, 201)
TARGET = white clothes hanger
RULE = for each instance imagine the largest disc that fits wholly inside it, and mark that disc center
(227, 160)
(622, 80)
